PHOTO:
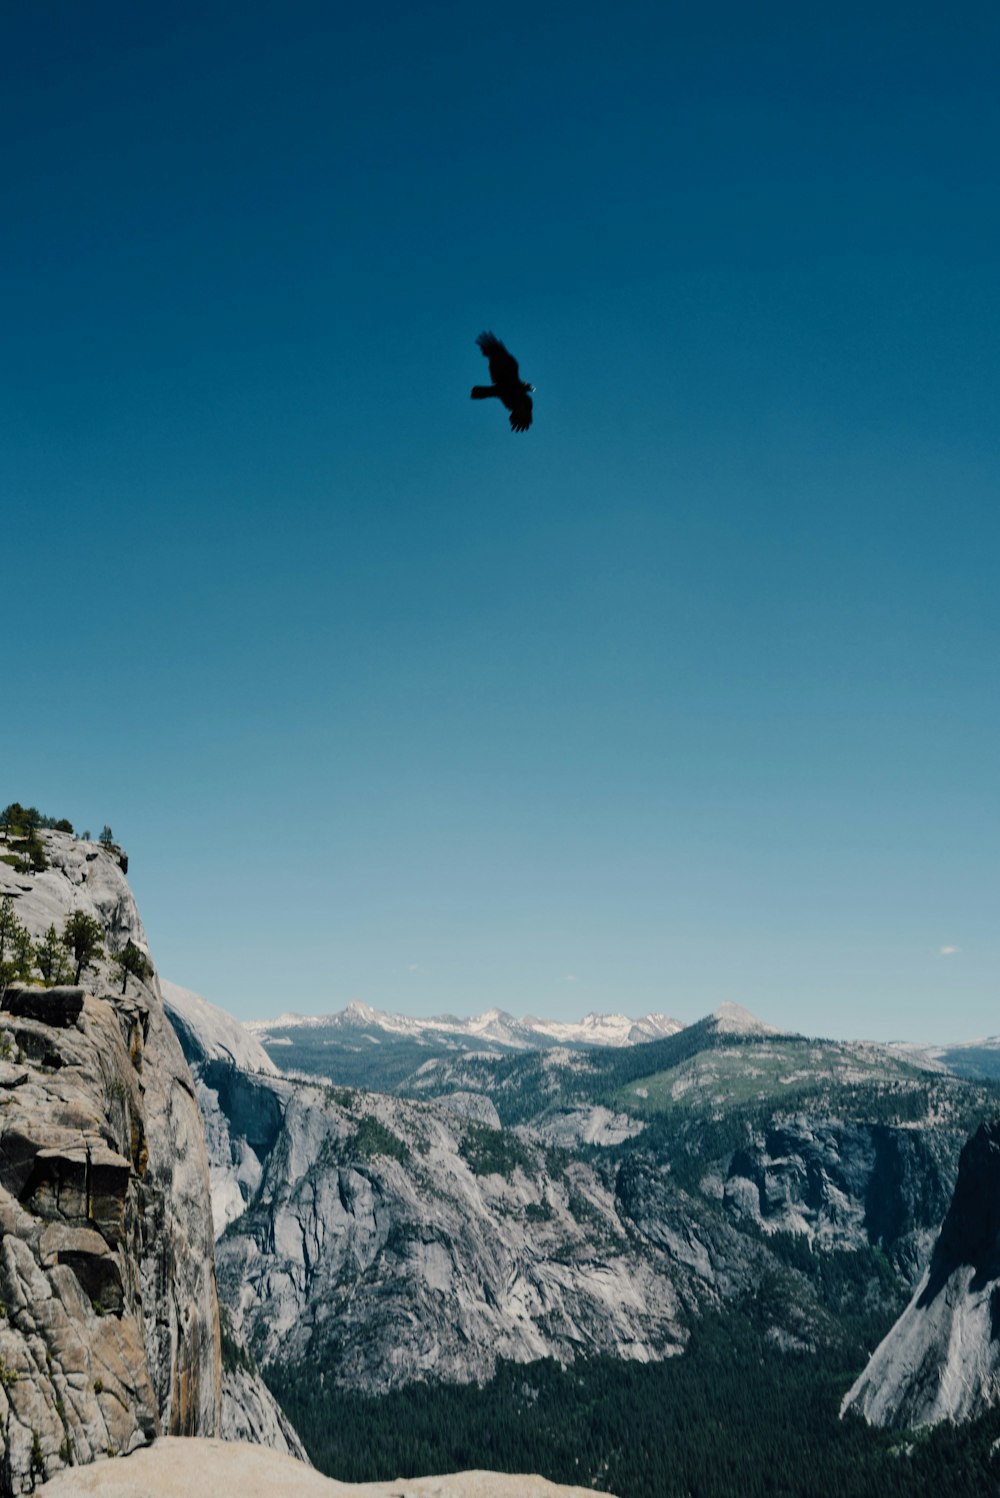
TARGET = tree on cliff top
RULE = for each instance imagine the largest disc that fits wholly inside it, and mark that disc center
(131, 960)
(82, 936)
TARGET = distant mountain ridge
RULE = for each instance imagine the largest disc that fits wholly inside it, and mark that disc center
(494, 1026)
(366, 1047)
(413, 1199)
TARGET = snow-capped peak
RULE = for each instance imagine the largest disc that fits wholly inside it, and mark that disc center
(493, 1025)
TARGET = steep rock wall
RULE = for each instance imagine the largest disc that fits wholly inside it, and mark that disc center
(378, 1245)
(109, 1332)
(941, 1360)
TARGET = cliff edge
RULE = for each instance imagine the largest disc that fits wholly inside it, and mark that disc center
(109, 1326)
(941, 1360)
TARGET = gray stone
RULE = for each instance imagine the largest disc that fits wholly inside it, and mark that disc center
(941, 1360)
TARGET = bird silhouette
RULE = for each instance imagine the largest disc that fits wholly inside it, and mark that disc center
(507, 386)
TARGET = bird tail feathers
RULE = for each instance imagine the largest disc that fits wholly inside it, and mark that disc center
(480, 392)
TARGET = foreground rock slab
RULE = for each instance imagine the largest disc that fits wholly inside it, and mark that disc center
(182, 1466)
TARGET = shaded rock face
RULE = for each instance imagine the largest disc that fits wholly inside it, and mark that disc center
(207, 1033)
(845, 1185)
(109, 1332)
(941, 1360)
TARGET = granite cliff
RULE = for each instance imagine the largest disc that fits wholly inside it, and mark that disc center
(390, 1238)
(109, 1321)
(941, 1360)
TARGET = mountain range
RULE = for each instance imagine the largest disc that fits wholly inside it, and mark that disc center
(647, 1264)
(493, 1028)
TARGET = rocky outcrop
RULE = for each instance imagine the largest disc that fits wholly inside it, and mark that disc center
(109, 1331)
(391, 1240)
(844, 1185)
(208, 1034)
(251, 1413)
(241, 1113)
(941, 1360)
(170, 1467)
(388, 1239)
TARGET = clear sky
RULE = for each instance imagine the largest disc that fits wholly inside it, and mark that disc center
(689, 694)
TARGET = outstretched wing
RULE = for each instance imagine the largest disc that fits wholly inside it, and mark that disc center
(503, 365)
(520, 414)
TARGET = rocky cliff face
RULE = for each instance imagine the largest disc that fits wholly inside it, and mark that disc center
(843, 1184)
(389, 1239)
(941, 1360)
(400, 1240)
(109, 1329)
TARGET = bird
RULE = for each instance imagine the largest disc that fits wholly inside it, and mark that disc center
(507, 386)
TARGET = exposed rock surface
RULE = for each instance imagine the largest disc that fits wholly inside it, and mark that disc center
(843, 1184)
(110, 1333)
(941, 1360)
(179, 1468)
(240, 1115)
(250, 1413)
(733, 1019)
(372, 1233)
(473, 1105)
(573, 1126)
(388, 1239)
(207, 1033)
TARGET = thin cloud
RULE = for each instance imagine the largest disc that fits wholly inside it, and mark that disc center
(414, 967)
(571, 978)
(948, 951)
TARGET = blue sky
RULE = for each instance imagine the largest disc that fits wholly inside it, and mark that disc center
(690, 694)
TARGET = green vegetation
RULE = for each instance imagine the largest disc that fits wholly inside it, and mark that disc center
(372, 1138)
(736, 1414)
(16, 820)
(20, 826)
(37, 1465)
(17, 955)
(731, 1418)
(131, 962)
(726, 1076)
(490, 1152)
(82, 937)
(50, 956)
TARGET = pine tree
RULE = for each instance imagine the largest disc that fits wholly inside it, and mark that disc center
(17, 954)
(51, 959)
(82, 936)
(9, 924)
(131, 960)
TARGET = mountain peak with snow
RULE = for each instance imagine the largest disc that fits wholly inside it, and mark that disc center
(494, 1026)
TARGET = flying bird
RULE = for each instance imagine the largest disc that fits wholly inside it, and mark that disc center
(507, 385)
